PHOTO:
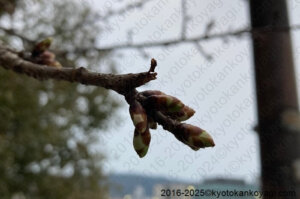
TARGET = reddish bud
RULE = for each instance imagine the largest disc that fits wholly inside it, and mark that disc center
(47, 58)
(47, 55)
(152, 92)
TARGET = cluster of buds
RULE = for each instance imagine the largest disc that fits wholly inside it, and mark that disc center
(143, 117)
(41, 54)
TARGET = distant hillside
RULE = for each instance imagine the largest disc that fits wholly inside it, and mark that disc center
(122, 184)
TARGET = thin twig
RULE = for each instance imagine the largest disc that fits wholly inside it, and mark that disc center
(123, 10)
(226, 34)
(234, 33)
(184, 19)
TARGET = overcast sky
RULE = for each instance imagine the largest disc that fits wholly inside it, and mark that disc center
(221, 91)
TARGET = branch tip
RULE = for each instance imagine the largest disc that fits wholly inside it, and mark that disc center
(153, 65)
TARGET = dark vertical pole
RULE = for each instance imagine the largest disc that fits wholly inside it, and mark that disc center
(277, 102)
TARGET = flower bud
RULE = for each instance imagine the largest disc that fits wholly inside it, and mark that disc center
(152, 92)
(41, 46)
(165, 103)
(141, 142)
(47, 58)
(193, 136)
(47, 55)
(138, 116)
(184, 114)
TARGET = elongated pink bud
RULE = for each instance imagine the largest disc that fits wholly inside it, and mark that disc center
(141, 142)
(194, 136)
(138, 116)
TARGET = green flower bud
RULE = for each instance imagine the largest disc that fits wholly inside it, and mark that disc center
(41, 46)
(184, 114)
(194, 137)
(138, 116)
(141, 142)
(165, 103)
(168, 105)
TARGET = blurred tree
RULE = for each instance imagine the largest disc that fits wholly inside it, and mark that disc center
(7, 6)
(46, 128)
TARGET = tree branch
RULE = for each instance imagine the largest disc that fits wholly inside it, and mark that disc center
(184, 19)
(205, 37)
(123, 10)
(233, 33)
(10, 60)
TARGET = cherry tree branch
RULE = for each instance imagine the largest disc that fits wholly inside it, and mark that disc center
(163, 109)
(11, 60)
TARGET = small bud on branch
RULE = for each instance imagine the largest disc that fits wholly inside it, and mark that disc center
(42, 46)
(41, 54)
(194, 136)
(141, 142)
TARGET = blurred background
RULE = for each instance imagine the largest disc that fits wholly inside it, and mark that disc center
(65, 140)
